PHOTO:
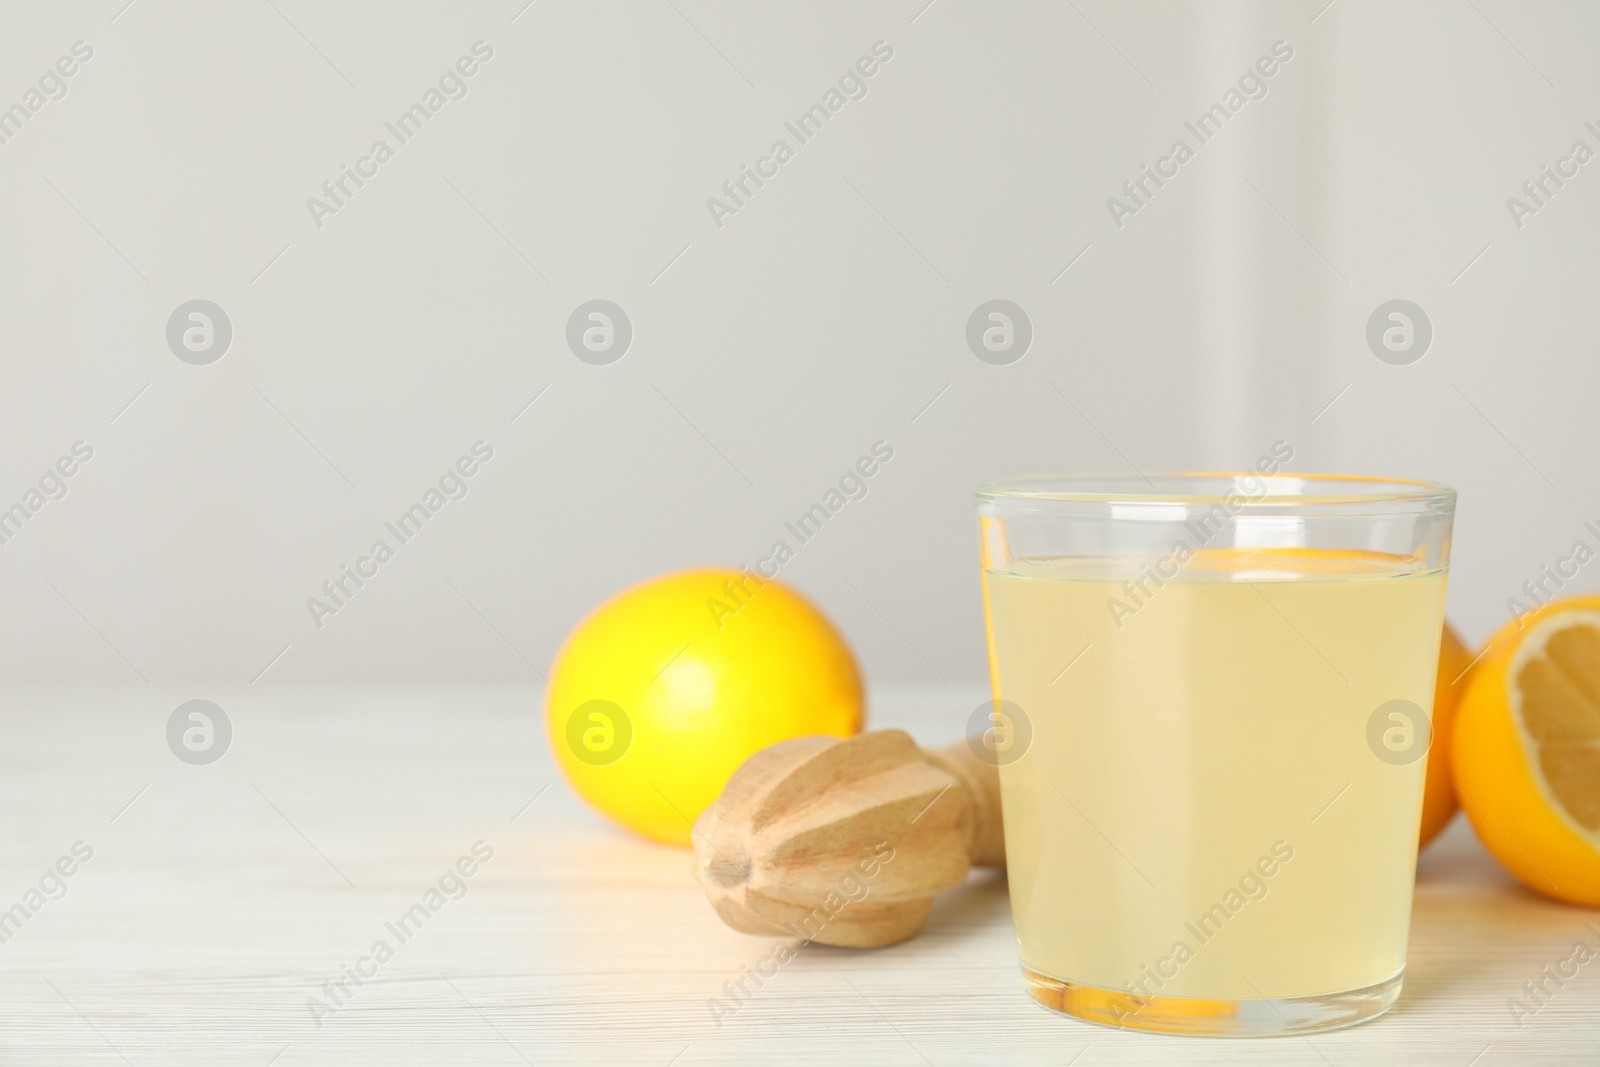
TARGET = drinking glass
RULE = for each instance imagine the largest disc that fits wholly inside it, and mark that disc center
(1212, 694)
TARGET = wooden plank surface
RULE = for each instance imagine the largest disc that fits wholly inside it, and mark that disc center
(219, 899)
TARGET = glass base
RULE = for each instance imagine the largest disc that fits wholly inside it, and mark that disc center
(1213, 1018)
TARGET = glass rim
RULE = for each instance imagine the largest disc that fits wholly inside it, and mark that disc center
(1209, 488)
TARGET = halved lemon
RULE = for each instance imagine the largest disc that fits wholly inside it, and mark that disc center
(1527, 749)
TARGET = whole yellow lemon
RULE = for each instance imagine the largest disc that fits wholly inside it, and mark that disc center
(661, 693)
(1439, 790)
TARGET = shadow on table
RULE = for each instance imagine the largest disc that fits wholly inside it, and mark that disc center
(979, 908)
(1468, 913)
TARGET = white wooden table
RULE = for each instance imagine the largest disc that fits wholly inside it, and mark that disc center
(220, 900)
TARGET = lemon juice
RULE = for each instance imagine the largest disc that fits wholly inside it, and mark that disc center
(1199, 811)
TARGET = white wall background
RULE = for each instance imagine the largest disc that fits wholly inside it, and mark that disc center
(768, 353)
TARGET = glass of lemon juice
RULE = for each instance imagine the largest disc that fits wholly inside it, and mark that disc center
(1211, 701)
